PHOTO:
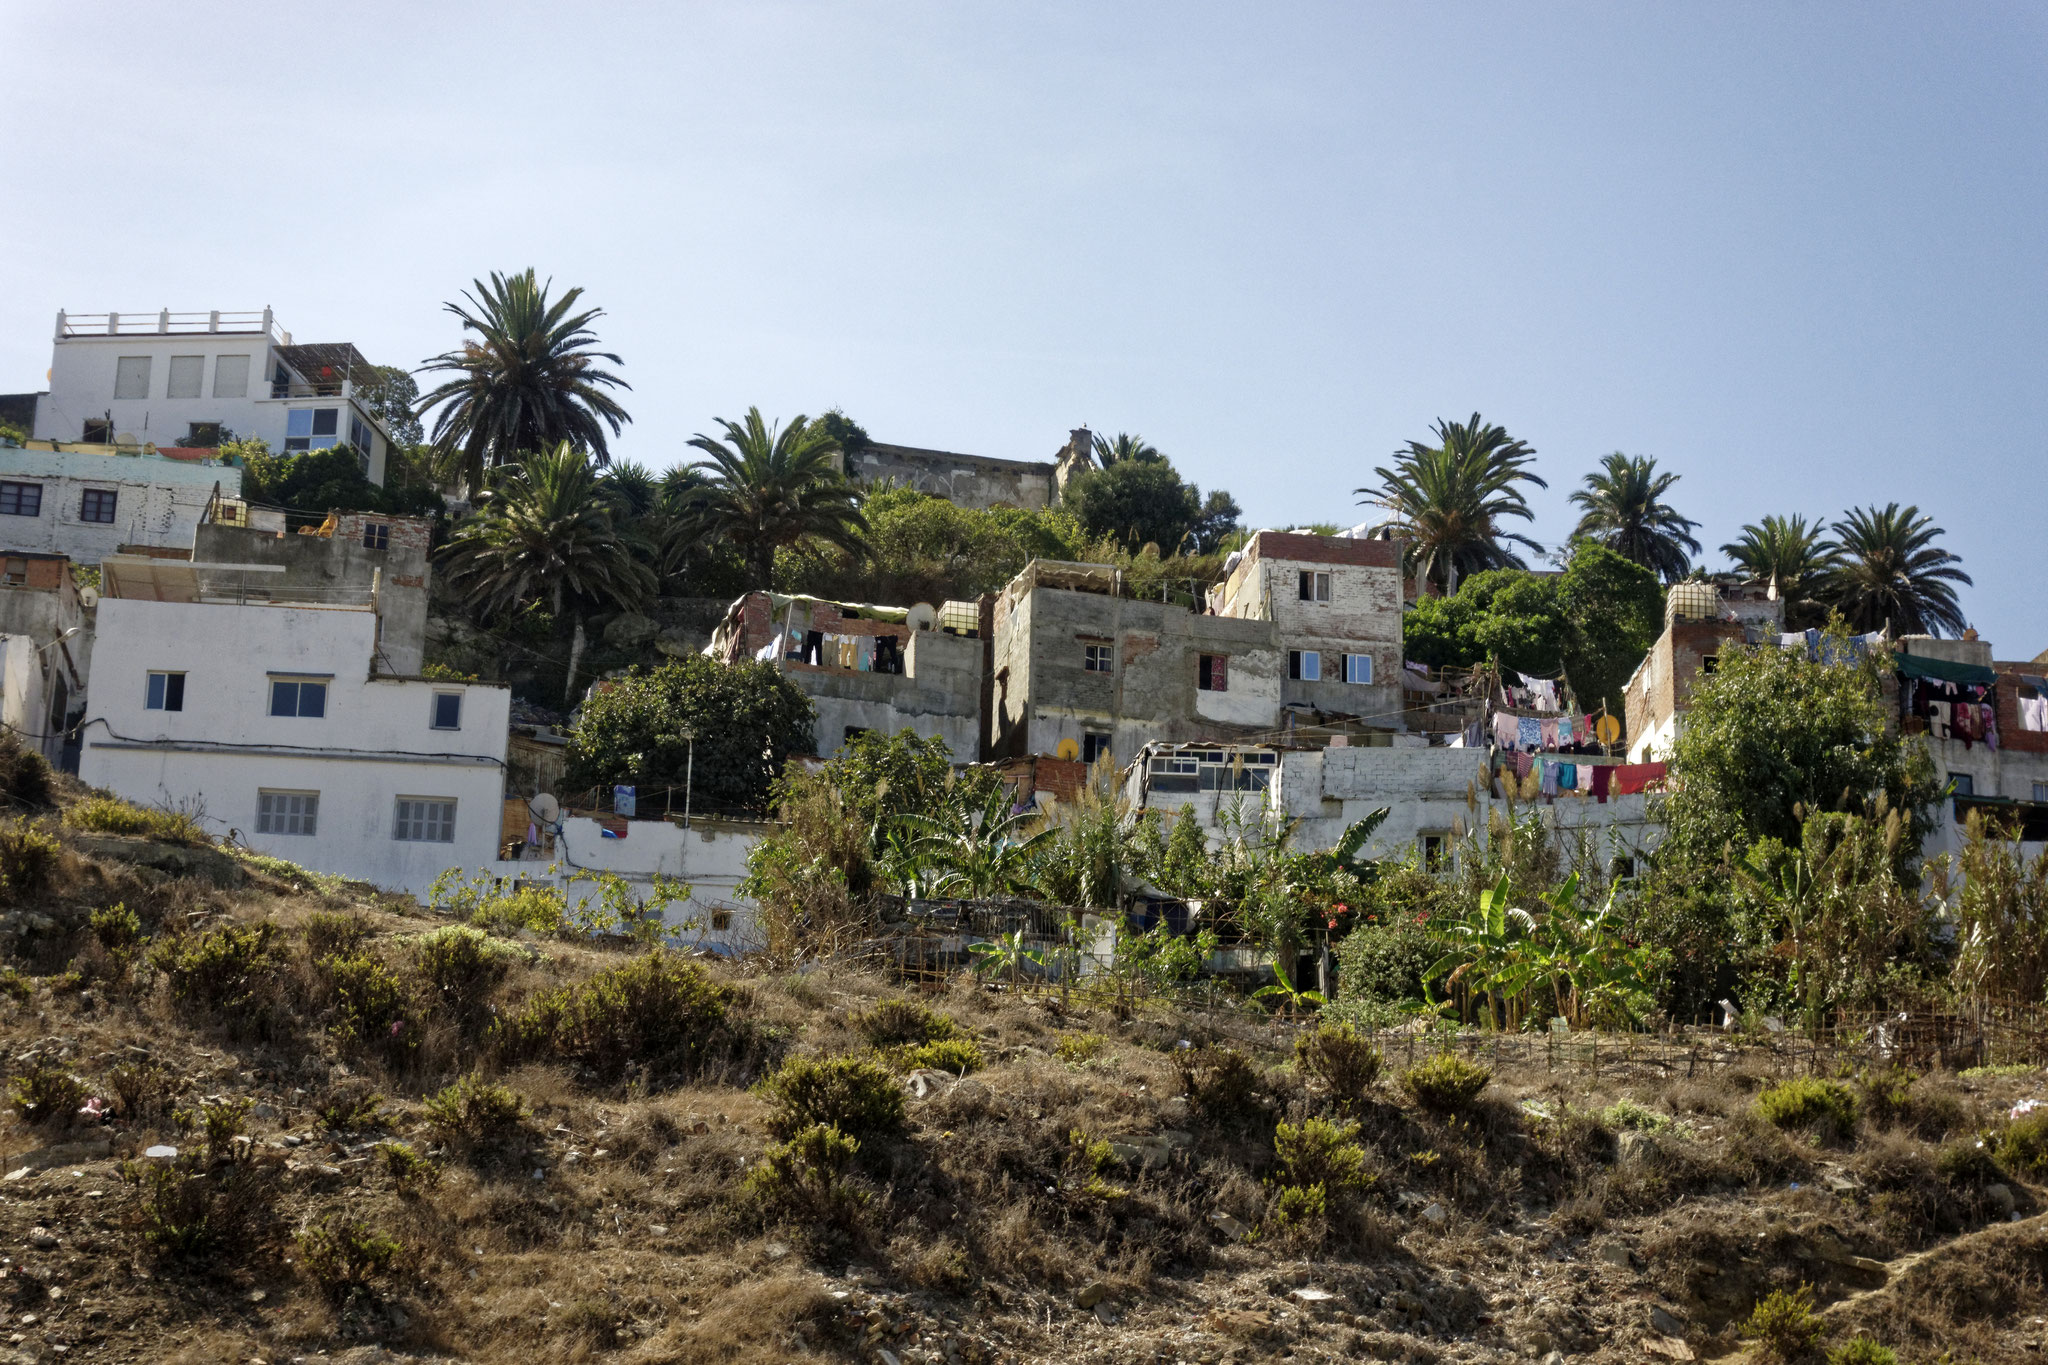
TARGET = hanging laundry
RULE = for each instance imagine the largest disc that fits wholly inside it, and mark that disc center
(1523, 762)
(1548, 734)
(1603, 778)
(1987, 720)
(1631, 778)
(1548, 786)
(1567, 777)
(1544, 691)
(1937, 719)
(1962, 722)
(864, 654)
(1505, 730)
(2034, 712)
(814, 647)
(1529, 733)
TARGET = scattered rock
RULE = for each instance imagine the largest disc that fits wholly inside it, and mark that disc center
(925, 1082)
(658, 1229)
(1664, 1322)
(1618, 1256)
(1313, 1297)
(630, 628)
(1092, 1293)
(1227, 1225)
(1436, 1213)
(42, 1239)
(2001, 1198)
(70, 1153)
(1106, 1314)
(1843, 1184)
(1671, 1348)
(266, 1112)
(163, 1151)
(1635, 1149)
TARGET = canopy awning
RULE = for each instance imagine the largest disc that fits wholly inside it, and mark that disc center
(1941, 670)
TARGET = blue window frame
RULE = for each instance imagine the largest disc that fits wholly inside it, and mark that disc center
(298, 697)
(312, 428)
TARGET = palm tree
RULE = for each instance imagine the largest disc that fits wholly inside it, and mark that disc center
(548, 533)
(1124, 447)
(1790, 552)
(631, 488)
(1891, 573)
(526, 381)
(773, 488)
(1448, 500)
(1624, 512)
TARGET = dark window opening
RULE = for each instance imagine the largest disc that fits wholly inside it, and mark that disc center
(376, 535)
(166, 692)
(98, 432)
(1212, 673)
(97, 504)
(1093, 746)
(21, 499)
(1095, 658)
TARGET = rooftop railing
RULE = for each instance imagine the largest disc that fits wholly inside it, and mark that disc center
(164, 322)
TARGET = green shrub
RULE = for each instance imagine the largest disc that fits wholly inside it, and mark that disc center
(351, 1109)
(476, 1111)
(373, 1008)
(24, 775)
(1886, 1094)
(850, 1094)
(412, 1173)
(1344, 1062)
(111, 815)
(28, 858)
(2001, 1071)
(955, 1055)
(1079, 1049)
(657, 1011)
(1627, 1114)
(230, 973)
(116, 928)
(1446, 1083)
(142, 1090)
(897, 1022)
(1220, 1083)
(15, 986)
(46, 1094)
(1968, 1164)
(2023, 1146)
(1381, 964)
(1295, 1207)
(462, 967)
(1824, 1107)
(1863, 1351)
(221, 1121)
(805, 1177)
(1321, 1153)
(330, 933)
(1785, 1325)
(343, 1255)
(187, 1212)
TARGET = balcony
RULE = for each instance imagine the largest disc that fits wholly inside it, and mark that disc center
(164, 322)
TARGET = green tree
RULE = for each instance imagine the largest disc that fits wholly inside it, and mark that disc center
(547, 533)
(1142, 500)
(1124, 447)
(1891, 573)
(1616, 611)
(850, 434)
(528, 380)
(1794, 554)
(392, 397)
(747, 720)
(772, 488)
(1625, 511)
(1449, 500)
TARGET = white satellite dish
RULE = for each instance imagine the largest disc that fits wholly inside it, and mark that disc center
(544, 809)
(88, 598)
(923, 616)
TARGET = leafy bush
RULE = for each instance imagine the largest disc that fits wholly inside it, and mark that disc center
(187, 1212)
(1887, 1094)
(343, 1255)
(806, 1176)
(1383, 963)
(956, 1055)
(46, 1094)
(2023, 1146)
(1079, 1049)
(15, 986)
(372, 1007)
(1220, 1083)
(1825, 1107)
(896, 1021)
(221, 1121)
(1323, 1154)
(483, 901)
(657, 1011)
(1863, 1351)
(1785, 1325)
(462, 966)
(1968, 1163)
(476, 1111)
(412, 1173)
(28, 857)
(1629, 1115)
(116, 928)
(1296, 1206)
(1341, 1060)
(335, 934)
(850, 1094)
(24, 775)
(229, 973)
(111, 815)
(142, 1090)
(351, 1109)
(1446, 1083)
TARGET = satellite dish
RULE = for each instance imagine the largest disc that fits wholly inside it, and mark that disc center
(1068, 749)
(923, 616)
(544, 809)
(127, 438)
(88, 598)
(1607, 729)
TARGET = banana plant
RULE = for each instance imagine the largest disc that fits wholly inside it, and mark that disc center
(1292, 999)
(1007, 954)
(1489, 953)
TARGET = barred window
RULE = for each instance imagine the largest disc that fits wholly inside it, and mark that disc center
(287, 812)
(425, 820)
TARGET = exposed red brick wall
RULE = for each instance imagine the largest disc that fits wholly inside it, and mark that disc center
(46, 574)
(2010, 735)
(1376, 554)
(758, 625)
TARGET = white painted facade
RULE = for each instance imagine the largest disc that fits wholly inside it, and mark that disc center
(376, 745)
(149, 378)
(89, 503)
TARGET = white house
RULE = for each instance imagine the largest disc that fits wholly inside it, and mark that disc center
(219, 691)
(87, 502)
(184, 380)
(45, 649)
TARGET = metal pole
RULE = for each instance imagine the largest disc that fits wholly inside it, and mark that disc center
(689, 776)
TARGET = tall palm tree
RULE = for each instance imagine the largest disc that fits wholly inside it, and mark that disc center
(547, 532)
(1625, 511)
(1448, 500)
(773, 488)
(631, 488)
(1124, 447)
(1891, 573)
(1793, 553)
(528, 379)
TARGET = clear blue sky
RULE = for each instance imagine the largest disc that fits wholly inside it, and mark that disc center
(1795, 251)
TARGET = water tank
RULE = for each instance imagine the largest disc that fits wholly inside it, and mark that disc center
(1692, 601)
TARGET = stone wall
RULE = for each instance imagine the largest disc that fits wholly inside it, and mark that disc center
(972, 481)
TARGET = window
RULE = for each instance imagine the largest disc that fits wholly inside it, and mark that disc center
(166, 692)
(1433, 859)
(15, 574)
(231, 376)
(311, 428)
(97, 505)
(1358, 668)
(1622, 869)
(376, 535)
(1095, 658)
(721, 920)
(1094, 744)
(425, 820)
(1710, 665)
(1212, 673)
(1315, 586)
(287, 812)
(131, 376)
(2041, 791)
(447, 710)
(359, 436)
(1305, 665)
(1214, 770)
(202, 434)
(297, 697)
(98, 431)
(188, 376)
(1965, 784)
(21, 499)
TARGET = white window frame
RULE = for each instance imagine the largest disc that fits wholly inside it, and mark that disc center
(281, 811)
(155, 699)
(1090, 654)
(191, 370)
(423, 820)
(1313, 585)
(131, 373)
(1305, 665)
(1358, 668)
